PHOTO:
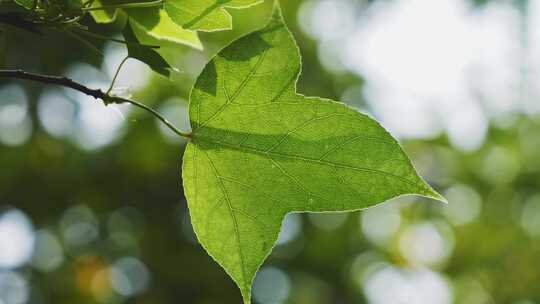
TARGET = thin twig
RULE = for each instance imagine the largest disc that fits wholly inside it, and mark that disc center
(96, 93)
(116, 74)
(56, 80)
(119, 100)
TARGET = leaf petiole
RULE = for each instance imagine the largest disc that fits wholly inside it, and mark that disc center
(116, 74)
(119, 100)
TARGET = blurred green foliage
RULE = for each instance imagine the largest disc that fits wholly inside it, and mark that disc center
(128, 195)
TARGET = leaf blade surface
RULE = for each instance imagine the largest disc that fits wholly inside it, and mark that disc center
(205, 15)
(260, 150)
(156, 23)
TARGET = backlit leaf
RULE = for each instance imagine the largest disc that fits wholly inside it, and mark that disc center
(260, 150)
(157, 24)
(103, 16)
(205, 15)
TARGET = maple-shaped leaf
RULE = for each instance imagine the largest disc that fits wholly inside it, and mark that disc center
(260, 150)
(205, 15)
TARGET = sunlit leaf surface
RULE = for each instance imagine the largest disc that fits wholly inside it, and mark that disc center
(103, 16)
(205, 15)
(260, 150)
(156, 23)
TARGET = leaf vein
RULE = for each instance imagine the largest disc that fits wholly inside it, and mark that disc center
(350, 141)
(311, 160)
(230, 99)
(233, 216)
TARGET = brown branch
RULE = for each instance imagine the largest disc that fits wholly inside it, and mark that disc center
(56, 80)
(96, 93)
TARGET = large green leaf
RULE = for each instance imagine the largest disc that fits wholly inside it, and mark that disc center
(259, 150)
(145, 53)
(157, 24)
(205, 15)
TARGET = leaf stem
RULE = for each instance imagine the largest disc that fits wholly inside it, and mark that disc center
(119, 100)
(96, 93)
(116, 74)
(126, 5)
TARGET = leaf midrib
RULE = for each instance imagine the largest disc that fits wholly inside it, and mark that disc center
(269, 154)
(233, 216)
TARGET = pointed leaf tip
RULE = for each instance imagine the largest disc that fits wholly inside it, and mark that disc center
(439, 197)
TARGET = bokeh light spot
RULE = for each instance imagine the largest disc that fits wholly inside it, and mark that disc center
(271, 286)
(530, 216)
(290, 229)
(15, 125)
(394, 285)
(465, 204)
(79, 226)
(14, 288)
(48, 253)
(328, 220)
(379, 224)
(16, 239)
(129, 276)
(426, 244)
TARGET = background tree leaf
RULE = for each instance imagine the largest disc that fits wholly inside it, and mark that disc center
(157, 24)
(103, 16)
(17, 20)
(145, 53)
(205, 15)
(260, 150)
(109, 15)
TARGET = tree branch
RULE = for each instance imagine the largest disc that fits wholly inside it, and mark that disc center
(96, 93)
(56, 80)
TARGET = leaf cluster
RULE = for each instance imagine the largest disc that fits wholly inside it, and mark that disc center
(175, 21)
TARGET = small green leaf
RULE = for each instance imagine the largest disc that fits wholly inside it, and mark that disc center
(103, 16)
(205, 15)
(157, 24)
(108, 14)
(145, 53)
(259, 150)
